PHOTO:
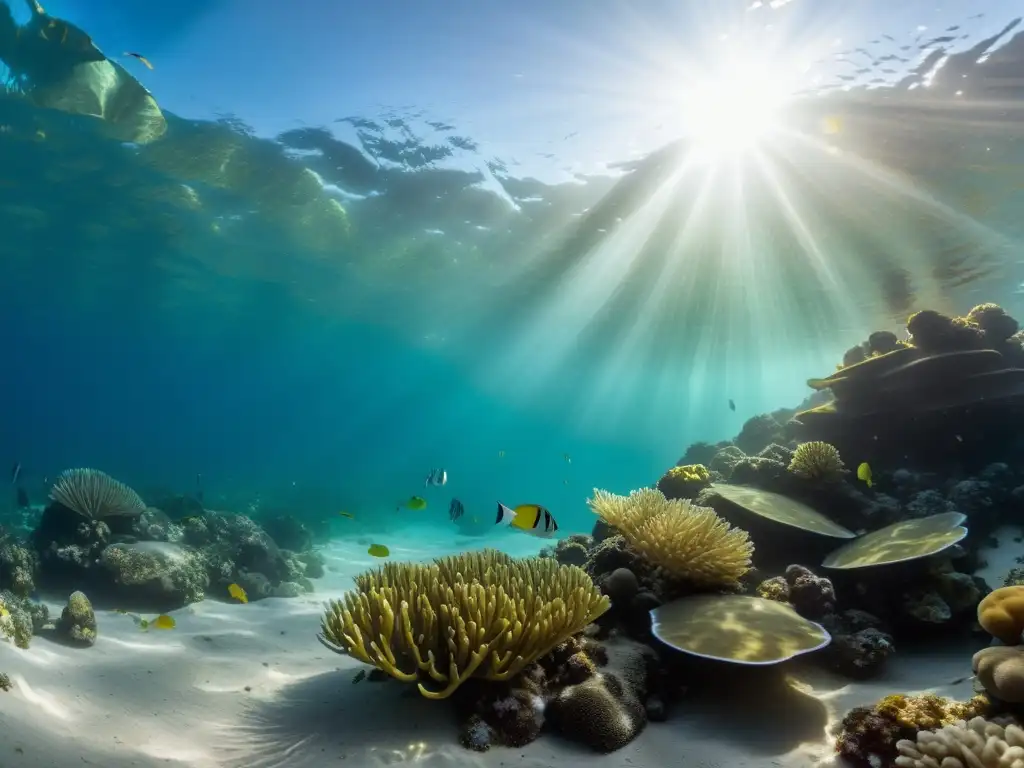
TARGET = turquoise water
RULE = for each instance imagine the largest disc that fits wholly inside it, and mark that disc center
(317, 307)
(273, 268)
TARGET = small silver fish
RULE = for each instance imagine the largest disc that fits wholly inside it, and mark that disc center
(436, 477)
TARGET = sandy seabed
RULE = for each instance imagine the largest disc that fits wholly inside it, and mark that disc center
(249, 686)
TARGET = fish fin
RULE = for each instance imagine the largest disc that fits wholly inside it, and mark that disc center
(505, 515)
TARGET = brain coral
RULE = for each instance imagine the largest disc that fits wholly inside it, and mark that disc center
(691, 542)
(1001, 614)
(479, 614)
(601, 713)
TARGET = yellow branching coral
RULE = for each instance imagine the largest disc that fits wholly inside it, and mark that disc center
(817, 461)
(481, 614)
(690, 542)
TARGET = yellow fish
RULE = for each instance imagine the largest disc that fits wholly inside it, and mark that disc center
(378, 550)
(416, 502)
(163, 621)
(527, 518)
(148, 64)
(349, 515)
(864, 473)
(238, 593)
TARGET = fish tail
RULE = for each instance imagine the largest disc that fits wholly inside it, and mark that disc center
(505, 515)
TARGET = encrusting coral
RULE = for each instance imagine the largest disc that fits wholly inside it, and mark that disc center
(690, 542)
(816, 461)
(684, 482)
(929, 711)
(481, 614)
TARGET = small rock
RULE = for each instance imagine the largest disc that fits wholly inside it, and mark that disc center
(77, 622)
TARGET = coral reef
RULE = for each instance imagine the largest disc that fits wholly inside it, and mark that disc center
(812, 596)
(596, 693)
(949, 394)
(98, 535)
(691, 543)
(432, 622)
(758, 432)
(870, 736)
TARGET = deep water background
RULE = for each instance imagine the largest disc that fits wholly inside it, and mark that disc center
(117, 362)
(282, 404)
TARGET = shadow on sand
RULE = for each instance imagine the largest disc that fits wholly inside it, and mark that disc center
(325, 719)
(760, 710)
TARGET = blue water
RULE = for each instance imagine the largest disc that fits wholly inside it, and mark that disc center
(443, 331)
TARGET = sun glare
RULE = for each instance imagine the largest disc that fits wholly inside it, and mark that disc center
(736, 109)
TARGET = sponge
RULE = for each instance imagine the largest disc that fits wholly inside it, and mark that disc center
(1001, 614)
(1000, 670)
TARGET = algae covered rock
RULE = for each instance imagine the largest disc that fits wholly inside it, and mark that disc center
(601, 713)
(18, 566)
(77, 623)
(162, 575)
(21, 618)
(607, 710)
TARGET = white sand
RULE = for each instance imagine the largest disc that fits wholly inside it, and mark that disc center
(179, 698)
(1002, 558)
